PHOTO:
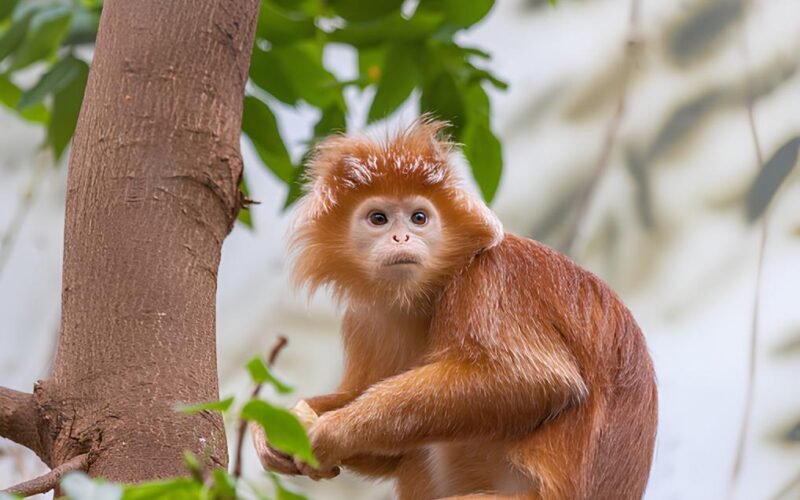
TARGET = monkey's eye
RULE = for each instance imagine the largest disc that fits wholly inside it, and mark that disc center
(419, 218)
(377, 218)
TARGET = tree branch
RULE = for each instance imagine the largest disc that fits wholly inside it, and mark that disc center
(47, 482)
(19, 418)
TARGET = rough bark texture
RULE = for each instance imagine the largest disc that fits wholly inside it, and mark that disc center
(152, 193)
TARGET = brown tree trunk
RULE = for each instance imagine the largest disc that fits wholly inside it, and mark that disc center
(152, 193)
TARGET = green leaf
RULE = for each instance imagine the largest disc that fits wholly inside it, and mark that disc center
(442, 97)
(260, 373)
(485, 155)
(14, 35)
(79, 486)
(359, 10)
(770, 178)
(333, 120)
(47, 28)
(280, 26)
(392, 28)
(66, 108)
(553, 2)
(294, 72)
(281, 493)
(59, 76)
(220, 406)
(259, 124)
(10, 95)
(171, 489)
(224, 485)
(459, 13)
(284, 432)
(191, 462)
(6, 496)
(370, 61)
(399, 77)
(6, 8)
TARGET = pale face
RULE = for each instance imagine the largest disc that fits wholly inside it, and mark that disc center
(397, 237)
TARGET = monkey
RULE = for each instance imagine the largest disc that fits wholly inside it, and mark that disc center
(478, 363)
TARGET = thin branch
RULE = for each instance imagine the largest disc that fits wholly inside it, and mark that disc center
(273, 355)
(19, 419)
(576, 234)
(47, 482)
(754, 326)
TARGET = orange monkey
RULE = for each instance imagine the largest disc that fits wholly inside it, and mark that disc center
(477, 363)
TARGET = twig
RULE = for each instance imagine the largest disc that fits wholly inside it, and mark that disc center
(9, 237)
(576, 234)
(753, 347)
(273, 355)
(47, 482)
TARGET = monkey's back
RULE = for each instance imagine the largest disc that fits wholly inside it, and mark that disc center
(600, 448)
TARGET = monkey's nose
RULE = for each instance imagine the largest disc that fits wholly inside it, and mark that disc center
(397, 240)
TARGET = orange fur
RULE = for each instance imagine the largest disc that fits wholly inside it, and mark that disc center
(505, 370)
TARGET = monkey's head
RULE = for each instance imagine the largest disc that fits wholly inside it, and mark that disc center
(387, 221)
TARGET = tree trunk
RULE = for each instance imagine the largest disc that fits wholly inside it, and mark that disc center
(152, 193)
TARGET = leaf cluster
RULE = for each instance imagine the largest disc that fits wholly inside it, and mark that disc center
(404, 50)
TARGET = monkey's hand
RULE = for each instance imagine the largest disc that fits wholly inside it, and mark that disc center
(326, 445)
(270, 458)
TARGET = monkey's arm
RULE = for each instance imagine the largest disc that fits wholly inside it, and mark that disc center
(445, 401)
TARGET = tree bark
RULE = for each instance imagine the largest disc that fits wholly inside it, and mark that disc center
(152, 192)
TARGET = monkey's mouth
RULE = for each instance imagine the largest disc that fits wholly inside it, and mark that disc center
(402, 260)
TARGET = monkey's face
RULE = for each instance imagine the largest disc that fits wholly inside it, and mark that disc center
(397, 238)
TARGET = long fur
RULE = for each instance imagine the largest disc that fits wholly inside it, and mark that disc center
(506, 370)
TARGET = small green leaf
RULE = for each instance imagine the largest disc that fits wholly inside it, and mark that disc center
(191, 462)
(442, 97)
(6, 496)
(332, 121)
(392, 28)
(66, 108)
(770, 178)
(171, 489)
(359, 10)
(458, 12)
(220, 406)
(399, 77)
(59, 76)
(47, 28)
(294, 72)
(14, 35)
(281, 493)
(260, 373)
(259, 124)
(485, 155)
(6, 8)
(296, 187)
(553, 2)
(280, 26)
(224, 485)
(284, 432)
(10, 95)
(79, 486)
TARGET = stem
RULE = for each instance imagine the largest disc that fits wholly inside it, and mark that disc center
(237, 460)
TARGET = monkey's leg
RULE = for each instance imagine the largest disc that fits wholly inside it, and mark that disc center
(487, 496)
(330, 402)
(374, 466)
(413, 481)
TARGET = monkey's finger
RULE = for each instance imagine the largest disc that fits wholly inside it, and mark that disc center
(317, 474)
(270, 458)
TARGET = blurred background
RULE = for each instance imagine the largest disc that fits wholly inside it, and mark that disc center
(628, 144)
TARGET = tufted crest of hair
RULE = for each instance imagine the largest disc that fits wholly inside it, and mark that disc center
(345, 170)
